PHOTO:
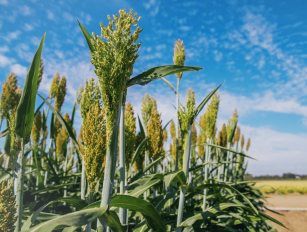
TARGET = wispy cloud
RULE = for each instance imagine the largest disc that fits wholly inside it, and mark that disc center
(259, 36)
(50, 15)
(25, 10)
(153, 6)
(4, 60)
(276, 152)
(4, 2)
(19, 70)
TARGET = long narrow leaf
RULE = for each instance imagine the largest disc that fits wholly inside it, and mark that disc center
(205, 100)
(76, 219)
(138, 150)
(87, 36)
(25, 109)
(159, 72)
(153, 218)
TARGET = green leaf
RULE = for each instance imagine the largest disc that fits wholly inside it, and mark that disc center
(142, 131)
(174, 177)
(159, 72)
(231, 150)
(72, 201)
(76, 219)
(209, 211)
(87, 36)
(25, 109)
(136, 192)
(144, 207)
(205, 100)
(113, 221)
(73, 114)
(152, 164)
(138, 150)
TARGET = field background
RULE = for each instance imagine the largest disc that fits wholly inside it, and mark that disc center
(289, 198)
(282, 186)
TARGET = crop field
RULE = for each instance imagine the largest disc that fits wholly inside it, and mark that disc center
(121, 171)
(282, 186)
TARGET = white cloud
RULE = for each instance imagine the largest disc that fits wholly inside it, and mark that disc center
(28, 27)
(4, 61)
(4, 49)
(19, 70)
(12, 35)
(50, 15)
(218, 56)
(4, 2)
(257, 37)
(68, 17)
(266, 102)
(25, 10)
(153, 6)
(276, 152)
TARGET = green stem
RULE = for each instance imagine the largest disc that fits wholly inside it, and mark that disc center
(109, 170)
(185, 168)
(19, 192)
(83, 181)
(178, 126)
(206, 170)
(122, 166)
(226, 164)
(65, 174)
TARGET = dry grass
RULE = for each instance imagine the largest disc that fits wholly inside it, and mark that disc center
(282, 186)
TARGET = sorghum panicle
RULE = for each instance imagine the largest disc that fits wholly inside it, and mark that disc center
(7, 207)
(130, 133)
(113, 55)
(179, 55)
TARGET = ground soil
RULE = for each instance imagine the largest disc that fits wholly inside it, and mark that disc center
(295, 220)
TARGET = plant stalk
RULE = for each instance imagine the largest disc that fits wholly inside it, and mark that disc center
(178, 125)
(19, 185)
(109, 171)
(185, 168)
(122, 166)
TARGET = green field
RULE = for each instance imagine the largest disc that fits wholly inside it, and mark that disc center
(282, 186)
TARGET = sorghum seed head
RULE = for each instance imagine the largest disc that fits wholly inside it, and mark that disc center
(186, 114)
(62, 139)
(90, 95)
(242, 142)
(7, 207)
(172, 130)
(179, 55)
(10, 96)
(208, 119)
(148, 104)
(36, 128)
(130, 133)
(155, 134)
(114, 54)
(237, 134)
(94, 144)
(231, 126)
(58, 91)
(248, 144)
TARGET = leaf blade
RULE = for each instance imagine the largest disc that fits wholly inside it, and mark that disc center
(159, 72)
(25, 109)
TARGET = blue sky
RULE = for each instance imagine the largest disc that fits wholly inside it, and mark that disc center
(257, 48)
